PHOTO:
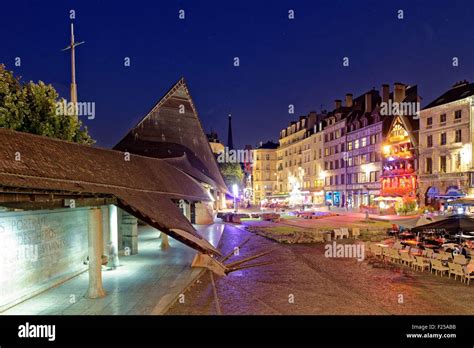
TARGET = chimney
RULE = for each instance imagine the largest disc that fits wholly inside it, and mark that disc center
(349, 100)
(368, 102)
(385, 93)
(398, 92)
(338, 103)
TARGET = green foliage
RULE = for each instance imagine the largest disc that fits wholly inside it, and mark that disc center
(232, 173)
(31, 108)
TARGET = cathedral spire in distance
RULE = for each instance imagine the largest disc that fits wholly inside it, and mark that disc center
(230, 142)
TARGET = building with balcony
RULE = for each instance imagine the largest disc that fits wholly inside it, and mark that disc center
(334, 155)
(300, 159)
(353, 146)
(446, 126)
(264, 171)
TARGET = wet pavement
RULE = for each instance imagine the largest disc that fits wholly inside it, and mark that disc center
(301, 280)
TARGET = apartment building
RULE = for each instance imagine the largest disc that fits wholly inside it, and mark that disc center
(290, 153)
(334, 158)
(312, 185)
(300, 158)
(446, 128)
(354, 137)
(364, 127)
(264, 171)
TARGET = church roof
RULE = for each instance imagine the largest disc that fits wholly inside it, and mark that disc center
(172, 129)
(147, 188)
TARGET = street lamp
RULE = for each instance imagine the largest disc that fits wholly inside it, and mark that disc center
(235, 191)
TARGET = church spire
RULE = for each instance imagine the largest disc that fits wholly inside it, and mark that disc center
(230, 142)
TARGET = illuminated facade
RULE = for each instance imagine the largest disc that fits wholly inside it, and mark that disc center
(363, 151)
(300, 159)
(446, 146)
(264, 171)
(399, 177)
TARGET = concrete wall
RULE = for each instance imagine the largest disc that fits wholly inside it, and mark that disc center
(40, 249)
(205, 214)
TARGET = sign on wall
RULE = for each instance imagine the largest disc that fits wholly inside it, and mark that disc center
(40, 249)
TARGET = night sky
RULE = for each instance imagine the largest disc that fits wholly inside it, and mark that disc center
(282, 61)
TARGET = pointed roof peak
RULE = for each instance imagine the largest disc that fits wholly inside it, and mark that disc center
(173, 128)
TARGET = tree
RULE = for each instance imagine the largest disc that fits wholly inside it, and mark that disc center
(31, 108)
(232, 173)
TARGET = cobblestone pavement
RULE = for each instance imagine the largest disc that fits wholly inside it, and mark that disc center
(320, 285)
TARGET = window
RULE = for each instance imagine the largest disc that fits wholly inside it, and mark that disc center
(325, 165)
(342, 147)
(429, 165)
(320, 153)
(442, 118)
(364, 142)
(267, 157)
(342, 163)
(336, 180)
(429, 141)
(372, 176)
(326, 151)
(349, 178)
(342, 179)
(330, 165)
(429, 121)
(356, 143)
(349, 146)
(336, 164)
(443, 139)
(372, 139)
(442, 164)
(457, 114)
(372, 157)
(362, 177)
(349, 162)
(458, 136)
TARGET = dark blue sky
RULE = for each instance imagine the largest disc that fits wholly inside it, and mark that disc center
(282, 61)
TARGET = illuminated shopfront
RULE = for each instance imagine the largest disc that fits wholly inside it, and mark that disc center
(398, 176)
